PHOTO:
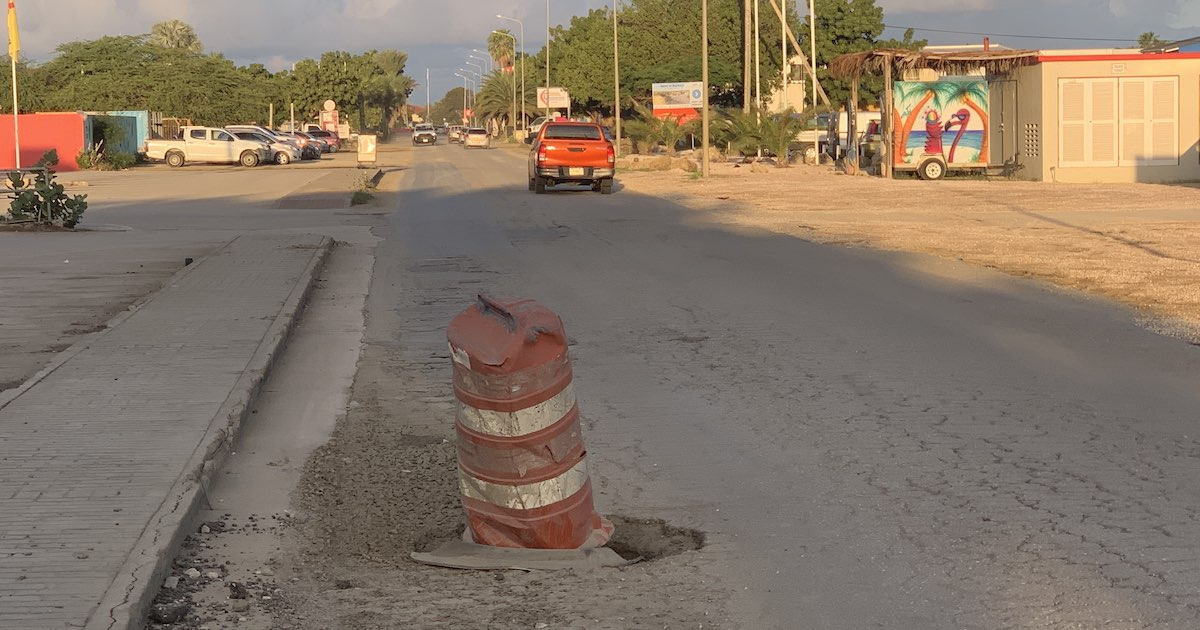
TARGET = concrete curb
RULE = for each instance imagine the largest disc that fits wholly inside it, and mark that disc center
(127, 601)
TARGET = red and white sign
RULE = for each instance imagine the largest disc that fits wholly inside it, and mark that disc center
(554, 97)
(329, 120)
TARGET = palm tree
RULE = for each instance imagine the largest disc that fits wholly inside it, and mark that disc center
(500, 48)
(495, 97)
(777, 132)
(388, 88)
(176, 34)
(741, 131)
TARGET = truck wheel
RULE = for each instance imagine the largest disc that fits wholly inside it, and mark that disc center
(283, 158)
(606, 185)
(810, 154)
(539, 185)
(249, 159)
(175, 159)
(931, 169)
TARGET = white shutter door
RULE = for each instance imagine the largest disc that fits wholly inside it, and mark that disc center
(1164, 121)
(1102, 116)
(1072, 123)
(1134, 122)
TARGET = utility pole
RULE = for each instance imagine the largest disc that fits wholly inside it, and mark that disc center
(616, 86)
(783, 58)
(427, 94)
(746, 55)
(704, 158)
(757, 64)
(812, 51)
(547, 58)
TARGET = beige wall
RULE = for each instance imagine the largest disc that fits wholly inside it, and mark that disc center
(1044, 78)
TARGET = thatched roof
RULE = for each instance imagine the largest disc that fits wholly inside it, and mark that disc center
(873, 61)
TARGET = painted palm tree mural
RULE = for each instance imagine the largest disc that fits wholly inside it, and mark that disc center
(947, 118)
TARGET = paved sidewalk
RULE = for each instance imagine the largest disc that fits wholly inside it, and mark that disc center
(102, 457)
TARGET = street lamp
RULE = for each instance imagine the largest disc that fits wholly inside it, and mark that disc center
(513, 113)
(548, 59)
(522, 25)
(464, 107)
(486, 57)
(704, 158)
(475, 83)
(616, 88)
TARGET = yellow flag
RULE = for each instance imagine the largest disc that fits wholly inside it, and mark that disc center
(14, 37)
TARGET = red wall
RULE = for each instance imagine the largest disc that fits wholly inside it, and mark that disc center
(40, 133)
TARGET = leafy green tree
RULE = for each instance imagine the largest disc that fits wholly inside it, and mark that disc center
(1150, 40)
(849, 26)
(176, 34)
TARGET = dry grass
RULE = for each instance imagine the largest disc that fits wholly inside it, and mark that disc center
(1136, 243)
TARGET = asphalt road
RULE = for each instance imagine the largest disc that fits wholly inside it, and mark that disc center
(867, 440)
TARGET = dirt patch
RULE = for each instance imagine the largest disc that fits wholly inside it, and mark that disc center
(1135, 243)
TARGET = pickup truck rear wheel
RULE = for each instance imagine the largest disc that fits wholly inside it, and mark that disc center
(539, 186)
(249, 159)
(175, 159)
(606, 185)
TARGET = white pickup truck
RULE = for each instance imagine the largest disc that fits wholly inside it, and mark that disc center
(208, 144)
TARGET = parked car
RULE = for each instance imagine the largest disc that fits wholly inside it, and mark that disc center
(839, 127)
(308, 150)
(280, 152)
(571, 152)
(456, 133)
(281, 137)
(424, 134)
(207, 144)
(328, 137)
(476, 137)
(309, 138)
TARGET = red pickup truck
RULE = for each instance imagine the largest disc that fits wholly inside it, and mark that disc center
(571, 152)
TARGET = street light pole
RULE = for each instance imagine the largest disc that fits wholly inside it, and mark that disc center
(486, 57)
(616, 87)
(464, 106)
(783, 58)
(704, 158)
(523, 93)
(547, 58)
(513, 113)
(812, 47)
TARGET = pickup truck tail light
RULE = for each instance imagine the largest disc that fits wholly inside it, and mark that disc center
(542, 153)
(612, 155)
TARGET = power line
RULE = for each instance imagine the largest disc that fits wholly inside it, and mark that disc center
(1077, 39)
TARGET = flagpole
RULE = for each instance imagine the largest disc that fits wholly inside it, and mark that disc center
(16, 125)
(14, 51)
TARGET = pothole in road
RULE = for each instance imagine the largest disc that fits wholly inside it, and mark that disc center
(651, 538)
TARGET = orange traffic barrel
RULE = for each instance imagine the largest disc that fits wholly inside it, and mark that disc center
(522, 464)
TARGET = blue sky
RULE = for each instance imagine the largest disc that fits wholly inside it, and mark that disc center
(440, 35)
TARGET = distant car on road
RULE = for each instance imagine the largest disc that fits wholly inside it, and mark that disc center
(456, 133)
(476, 137)
(424, 134)
(571, 152)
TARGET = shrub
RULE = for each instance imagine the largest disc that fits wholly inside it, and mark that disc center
(118, 161)
(44, 200)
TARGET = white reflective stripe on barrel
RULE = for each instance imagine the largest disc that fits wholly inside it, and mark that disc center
(519, 422)
(527, 496)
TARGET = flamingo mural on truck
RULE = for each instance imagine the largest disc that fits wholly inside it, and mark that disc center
(958, 105)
